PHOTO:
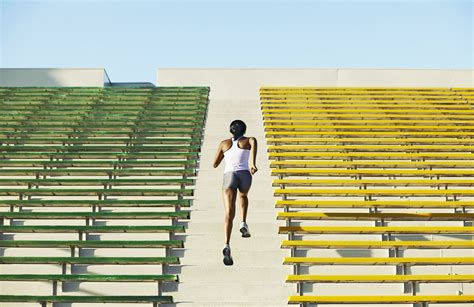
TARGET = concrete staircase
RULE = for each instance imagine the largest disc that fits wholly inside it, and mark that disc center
(257, 276)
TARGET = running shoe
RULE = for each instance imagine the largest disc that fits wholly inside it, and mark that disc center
(227, 257)
(244, 229)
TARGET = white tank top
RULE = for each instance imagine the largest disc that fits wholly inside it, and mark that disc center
(236, 159)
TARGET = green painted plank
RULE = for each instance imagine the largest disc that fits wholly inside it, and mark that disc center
(32, 163)
(97, 172)
(136, 148)
(91, 244)
(88, 277)
(96, 192)
(96, 215)
(114, 182)
(90, 260)
(86, 299)
(106, 133)
(90, 229)
(101, 203)
(98, 155)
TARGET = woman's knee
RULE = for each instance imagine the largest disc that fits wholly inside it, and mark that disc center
(229, 215)
(243, 193)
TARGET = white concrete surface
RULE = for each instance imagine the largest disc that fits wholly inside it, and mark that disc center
(235, 84)
(257, 276)
(53, 77)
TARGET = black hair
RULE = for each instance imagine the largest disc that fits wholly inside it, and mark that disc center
(237, 128)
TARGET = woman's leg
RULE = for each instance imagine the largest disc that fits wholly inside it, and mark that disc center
(245, 180)
(229, 200)
(244, 204)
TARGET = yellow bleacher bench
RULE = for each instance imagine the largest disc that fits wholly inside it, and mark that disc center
(374, 204)
(376, 229)
(379, 261)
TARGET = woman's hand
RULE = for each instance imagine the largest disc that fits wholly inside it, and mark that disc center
(253, 169)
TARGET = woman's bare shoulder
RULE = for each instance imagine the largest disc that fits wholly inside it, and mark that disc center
(225, 144)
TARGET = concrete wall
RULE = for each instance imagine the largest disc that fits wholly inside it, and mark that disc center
(244, 83)
(23, 77)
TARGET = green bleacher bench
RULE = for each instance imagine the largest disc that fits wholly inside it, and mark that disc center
(91, 229)
(97, 203)
(95, 192)
(87, 299)
(90, 260)
(88, 277)
(98, 163)
(97, 172)
(91, 244)
(90, 182)
(138, 148)
(94, 141)
(24, 215)
(98, 155)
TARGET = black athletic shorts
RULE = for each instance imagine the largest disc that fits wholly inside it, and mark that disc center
(241, 180)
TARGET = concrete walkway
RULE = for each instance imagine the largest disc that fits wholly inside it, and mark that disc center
(257, 276)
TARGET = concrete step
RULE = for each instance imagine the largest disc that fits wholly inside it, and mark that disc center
(261, 291)
(261, 229)
(242, 258)
(231, 274)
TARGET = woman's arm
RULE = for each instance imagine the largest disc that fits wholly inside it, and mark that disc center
(219, 156)
(253, 155)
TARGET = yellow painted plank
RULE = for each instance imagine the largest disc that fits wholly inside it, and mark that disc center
(331, 147)
(349, 108)
(365, 111)
(336, 104)
(381, 299)
(363, 216)
(369, 172)
(376, 229)
(379, 261)
(361, 127)
(384, 140)
(372, 182)
(373, 163)
(374, 133)
(374, 192)
(315, 115)
(373, 204)
(374, 154)
(378, 244)
(369, 121)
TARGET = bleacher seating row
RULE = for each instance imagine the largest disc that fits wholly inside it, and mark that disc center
(376, 178)
(92, 162)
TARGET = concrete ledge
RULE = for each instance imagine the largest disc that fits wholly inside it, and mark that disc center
(238, 84)
(53, 77)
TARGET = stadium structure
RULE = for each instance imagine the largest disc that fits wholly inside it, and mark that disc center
(364, 194)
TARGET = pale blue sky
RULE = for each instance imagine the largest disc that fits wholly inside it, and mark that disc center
(131, 39)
